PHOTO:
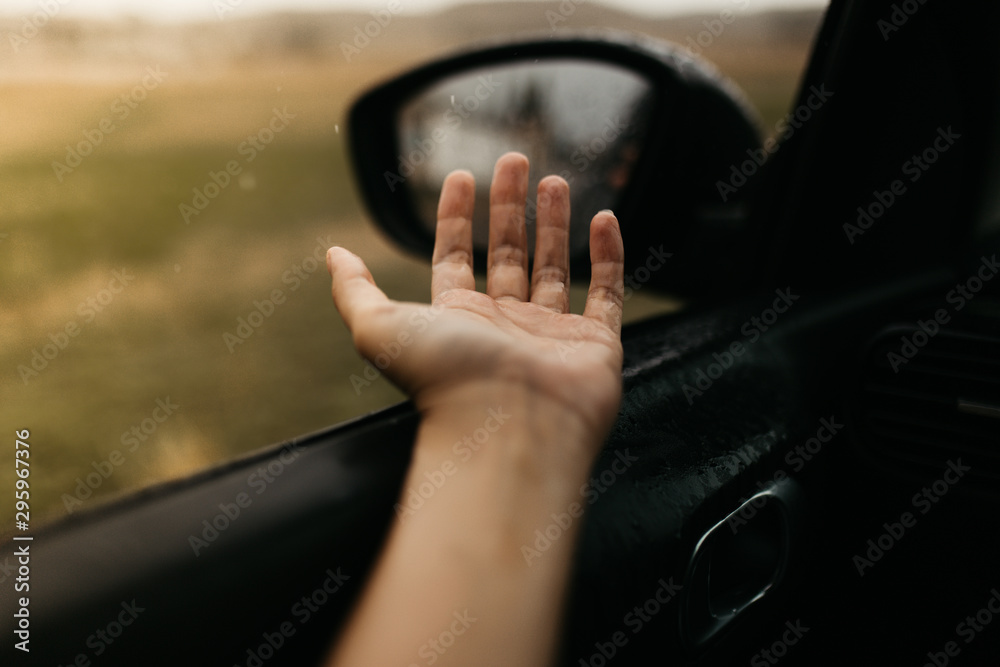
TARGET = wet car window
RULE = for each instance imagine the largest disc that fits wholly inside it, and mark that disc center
(170, 183)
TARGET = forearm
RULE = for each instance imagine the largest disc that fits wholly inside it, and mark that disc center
(491, 466)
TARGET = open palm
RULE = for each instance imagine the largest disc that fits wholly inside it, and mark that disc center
(518, 332)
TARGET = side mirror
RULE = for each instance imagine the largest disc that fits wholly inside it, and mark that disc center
(633, 125)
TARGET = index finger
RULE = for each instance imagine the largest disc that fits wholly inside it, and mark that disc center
(452, 261)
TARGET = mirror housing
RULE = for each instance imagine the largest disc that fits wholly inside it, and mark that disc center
(635, 125)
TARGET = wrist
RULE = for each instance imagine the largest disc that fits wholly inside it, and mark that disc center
(511, 412)
(512, 442)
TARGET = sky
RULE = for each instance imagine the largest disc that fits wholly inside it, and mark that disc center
(186, 10)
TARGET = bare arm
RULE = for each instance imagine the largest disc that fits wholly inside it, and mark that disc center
(516, 397)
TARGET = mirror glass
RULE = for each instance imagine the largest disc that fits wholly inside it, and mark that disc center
(583, 120)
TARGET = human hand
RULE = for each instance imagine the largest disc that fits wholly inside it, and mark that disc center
(519, 335)
(517, 348)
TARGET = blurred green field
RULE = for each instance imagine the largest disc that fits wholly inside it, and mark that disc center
(162, 336)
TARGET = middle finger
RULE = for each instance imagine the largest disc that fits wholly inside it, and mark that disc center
(507, 258)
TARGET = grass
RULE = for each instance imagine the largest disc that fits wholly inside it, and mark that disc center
(162, 335)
